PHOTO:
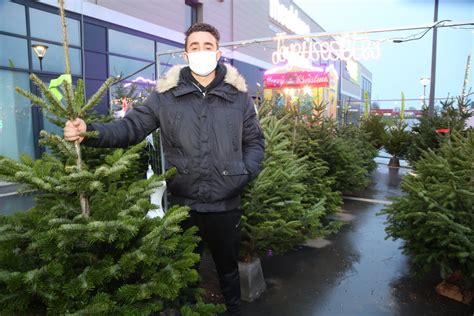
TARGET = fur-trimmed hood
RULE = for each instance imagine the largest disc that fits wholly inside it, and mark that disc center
(171, 79)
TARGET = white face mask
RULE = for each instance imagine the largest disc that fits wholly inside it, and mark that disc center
(202, 63)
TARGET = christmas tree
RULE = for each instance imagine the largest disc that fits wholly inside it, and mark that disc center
(365, 152)
(275, 218)
(397, 142)
(435, 218)
(319, 183)
(347, 152)
(374, 126)
(452, 117)
(87, 246)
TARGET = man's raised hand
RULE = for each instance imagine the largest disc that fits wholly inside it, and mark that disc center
(73, 129)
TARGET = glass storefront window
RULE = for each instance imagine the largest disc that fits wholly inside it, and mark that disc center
(120, 66)
(132, 91)
(130, 45)
(171, 59)
(14, 20)
(45, 25)
(53, 61)
(51, 128)
(16, 130)
(13, 52)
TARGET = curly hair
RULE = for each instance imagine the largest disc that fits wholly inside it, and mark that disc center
(201, 27)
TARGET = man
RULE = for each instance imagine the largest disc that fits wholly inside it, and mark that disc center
(211, 134)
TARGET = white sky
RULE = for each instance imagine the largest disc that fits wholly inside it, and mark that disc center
(402, 65)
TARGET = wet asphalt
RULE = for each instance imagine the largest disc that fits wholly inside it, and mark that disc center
(355, 271)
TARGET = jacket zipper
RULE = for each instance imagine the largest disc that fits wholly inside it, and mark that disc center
(230, 126)
(175, 129)
(200, 90)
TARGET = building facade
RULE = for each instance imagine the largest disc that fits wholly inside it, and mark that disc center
(123, 37)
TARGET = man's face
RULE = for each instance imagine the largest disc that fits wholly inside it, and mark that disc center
(201, 41)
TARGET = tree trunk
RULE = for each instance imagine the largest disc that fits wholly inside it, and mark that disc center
(85, 208)
(394, 162)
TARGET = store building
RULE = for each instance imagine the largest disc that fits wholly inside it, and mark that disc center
(120, 37)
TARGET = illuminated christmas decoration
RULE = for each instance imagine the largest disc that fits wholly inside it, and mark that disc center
(303, 86)
(340, 49)
(312, 47)
(141, 80)
(297, 79)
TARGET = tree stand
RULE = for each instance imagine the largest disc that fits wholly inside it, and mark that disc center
(252, 283)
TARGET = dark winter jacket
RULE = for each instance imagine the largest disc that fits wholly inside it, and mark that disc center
(212, 137)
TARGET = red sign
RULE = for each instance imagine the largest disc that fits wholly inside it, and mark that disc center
(442, 130)
(296, 79)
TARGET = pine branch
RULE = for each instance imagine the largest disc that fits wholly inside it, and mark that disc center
(58, 111)
(33, 98)
(59, 143)
(9, 167)
(69, 93)
(54, 102)
(79, 96)
(95, 99)
(65, 41)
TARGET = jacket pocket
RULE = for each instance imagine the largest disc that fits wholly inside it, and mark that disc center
(232, 180)
(180, 164)
(234, 168)
(180, 183)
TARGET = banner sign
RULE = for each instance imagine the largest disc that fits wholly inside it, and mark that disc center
(296, 79)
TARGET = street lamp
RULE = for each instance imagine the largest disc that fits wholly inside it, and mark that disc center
(424, 82)
(40, 51)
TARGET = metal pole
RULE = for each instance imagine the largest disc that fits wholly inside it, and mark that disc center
(163, 170)
(162, 153)
(339, 101)
(424, 95)
(433, 62)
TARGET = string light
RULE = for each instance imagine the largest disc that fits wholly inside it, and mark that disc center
(342, 48)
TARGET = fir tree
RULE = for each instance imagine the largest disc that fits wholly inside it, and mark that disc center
(319, 183)
(87, 246)
(453, 116)
(274, 215)
(374, 126)
(436, 216)
(398, 140)
(349, 158)
(345, 151)
(361, 144)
